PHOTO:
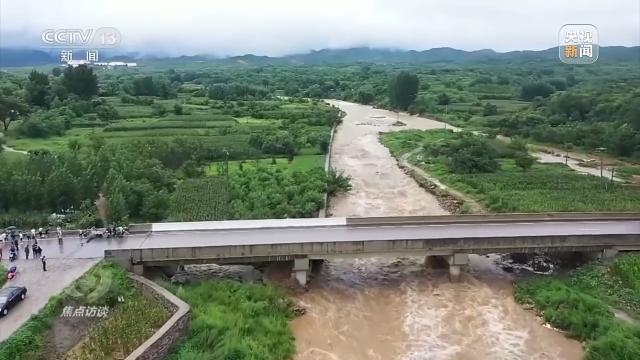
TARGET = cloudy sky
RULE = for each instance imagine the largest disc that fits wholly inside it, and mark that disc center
(277, 27)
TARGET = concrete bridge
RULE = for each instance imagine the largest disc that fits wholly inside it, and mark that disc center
(300, 241)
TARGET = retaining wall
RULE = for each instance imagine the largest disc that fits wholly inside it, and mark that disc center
(159, 344)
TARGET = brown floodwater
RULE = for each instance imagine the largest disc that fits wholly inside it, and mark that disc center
(395, 308)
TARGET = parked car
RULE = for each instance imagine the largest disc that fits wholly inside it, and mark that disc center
(10, 296)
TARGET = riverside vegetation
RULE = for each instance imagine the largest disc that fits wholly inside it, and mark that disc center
(504, 178)
(583, 303)
(233, 320)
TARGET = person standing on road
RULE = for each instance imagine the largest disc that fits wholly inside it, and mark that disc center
(21, 236)
(44, 263)
(1, 246)
(26, 252)
(59, 230)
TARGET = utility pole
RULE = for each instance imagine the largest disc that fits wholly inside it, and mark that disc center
(601, 150)
(226, 163)
(612, 171)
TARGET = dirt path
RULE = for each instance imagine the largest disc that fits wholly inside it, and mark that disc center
(10, 149)
(380, 187)
(40, 286)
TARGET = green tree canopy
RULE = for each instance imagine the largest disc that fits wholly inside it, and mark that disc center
(403, 89)
(81, 81)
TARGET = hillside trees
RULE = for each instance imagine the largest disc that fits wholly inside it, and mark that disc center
(403, 89)
(11, 108)
(37, 89)
(534, 89)
(80, 80)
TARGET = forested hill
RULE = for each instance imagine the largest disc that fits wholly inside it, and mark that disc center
(31, 57)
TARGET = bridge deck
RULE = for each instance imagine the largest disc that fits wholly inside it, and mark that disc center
(320, 234)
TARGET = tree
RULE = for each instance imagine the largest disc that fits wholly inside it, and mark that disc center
(571, 105)
(81, 81)
(37, 89)
(524, 161)
(11, 108)
(155, 206)
(117, 208)
(107, 112)
(365, 94)
(403, 89)
(338, 182)
(444, 99)
(531, 90)
(489, 109)
(56, 71)
(472, 154)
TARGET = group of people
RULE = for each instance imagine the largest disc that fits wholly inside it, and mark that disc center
(18, 238)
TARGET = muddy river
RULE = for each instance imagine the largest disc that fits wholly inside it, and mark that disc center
(395, 308)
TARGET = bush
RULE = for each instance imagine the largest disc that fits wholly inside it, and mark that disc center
(338, 183)
(232, 320)
(531, 90)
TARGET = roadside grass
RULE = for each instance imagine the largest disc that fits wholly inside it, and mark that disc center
(128, 325)
(627, 172)
(300, 162)
(582, 304)
(30, 341)
(54, 143)
(3, 275)
(233, 320)
(11, 155)
(543, 188)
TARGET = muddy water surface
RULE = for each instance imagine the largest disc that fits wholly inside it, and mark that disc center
(394, 308)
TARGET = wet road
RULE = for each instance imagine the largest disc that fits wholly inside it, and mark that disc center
(72, 247)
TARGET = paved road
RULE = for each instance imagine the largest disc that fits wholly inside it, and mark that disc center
(391, 232)
(40, 286)
(72, 248)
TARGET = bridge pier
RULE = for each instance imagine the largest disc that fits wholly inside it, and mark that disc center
(609, 253)
(456, 261)
(137, 269)
(300, 271)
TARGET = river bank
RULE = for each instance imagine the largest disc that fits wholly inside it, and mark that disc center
(598, 304)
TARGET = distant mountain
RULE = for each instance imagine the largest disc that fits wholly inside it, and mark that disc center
(30, 57)
(436, 55)
(25, 57)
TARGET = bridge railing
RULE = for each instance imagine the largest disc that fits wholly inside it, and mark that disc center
(461, 219)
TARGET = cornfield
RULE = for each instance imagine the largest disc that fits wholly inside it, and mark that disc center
(201, 199)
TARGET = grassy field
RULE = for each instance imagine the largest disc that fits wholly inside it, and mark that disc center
(543, 188)
(300, 162)
(234, 320)
(582, 304)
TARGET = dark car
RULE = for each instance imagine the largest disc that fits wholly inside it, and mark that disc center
(10, 296)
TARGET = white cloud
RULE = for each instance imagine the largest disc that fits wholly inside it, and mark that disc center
(279, 27)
